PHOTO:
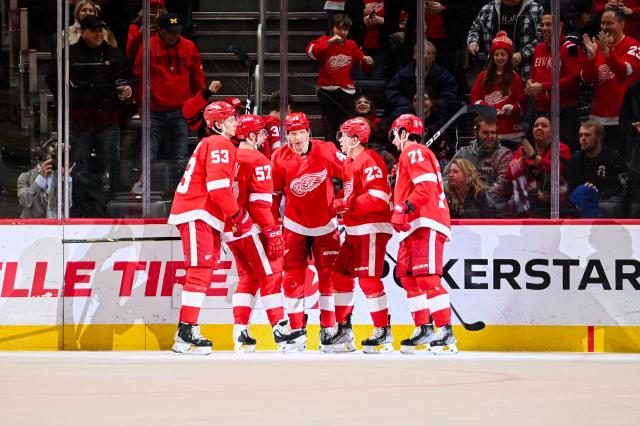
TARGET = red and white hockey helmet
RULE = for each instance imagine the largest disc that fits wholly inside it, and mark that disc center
(355, 127)
(410, 123)
(218, 111)
(296, 121)
(248, 123)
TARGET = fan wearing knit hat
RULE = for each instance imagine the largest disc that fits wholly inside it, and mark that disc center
(501, 87)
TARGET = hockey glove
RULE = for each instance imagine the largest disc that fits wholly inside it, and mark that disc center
(275, 246)
(400, 217)
(242, 222)
(338, 206)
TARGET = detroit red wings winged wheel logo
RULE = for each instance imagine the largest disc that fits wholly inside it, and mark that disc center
(307, 182)
(339, 61)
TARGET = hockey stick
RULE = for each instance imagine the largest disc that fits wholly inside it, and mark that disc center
(117, 240)
(477, 109)
(474, 326)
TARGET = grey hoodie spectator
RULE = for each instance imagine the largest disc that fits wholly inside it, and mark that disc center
(489, 157)
(522, 26)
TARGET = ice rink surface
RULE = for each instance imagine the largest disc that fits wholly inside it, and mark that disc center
(472, 388)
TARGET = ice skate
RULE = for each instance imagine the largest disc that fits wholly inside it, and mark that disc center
(419, 340)
(345, 336)
(380, 342)
(444, 341)
(188, 340)
(283, 335)
(242, 341)
(327, 340)
(297, 344)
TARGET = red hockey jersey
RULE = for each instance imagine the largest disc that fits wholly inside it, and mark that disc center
(612, 77)
(306, 183)
(419, 180)
(272, 125)
(509, 125)
(205, 190)
(336, 62)
(367, 194)
(253, 188)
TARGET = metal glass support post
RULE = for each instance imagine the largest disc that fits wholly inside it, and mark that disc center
(60, 102)
(63, 87)
(420, 53)
(145, 111)
(555, 111)
(259, 71)
(284, 65)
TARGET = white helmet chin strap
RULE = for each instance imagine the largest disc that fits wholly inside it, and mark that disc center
(350, 147)
(401, 141)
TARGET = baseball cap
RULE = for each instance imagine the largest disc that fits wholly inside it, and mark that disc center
(92, 22)
(170, 22)
(574, 8)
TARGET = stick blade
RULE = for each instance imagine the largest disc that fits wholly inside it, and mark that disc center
(475, 326)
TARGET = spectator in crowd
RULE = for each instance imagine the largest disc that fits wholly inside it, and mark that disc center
(539, 83)
(500, 87)
(364, 107)
(38, 188)
(466, 192)
(490, 159)
(600, 166)
(96, 96)
(579, 18)
(631, 8)
(402, 30)
(368, 32)
(134, 37)
(519, 19)
(612, 66)
(193, 109)
(82, 9)
(176, 76)
(530, 172)
(630, 122)
(402, 87)
(337, 56)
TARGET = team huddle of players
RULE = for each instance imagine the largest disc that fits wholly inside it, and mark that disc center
(231, 192)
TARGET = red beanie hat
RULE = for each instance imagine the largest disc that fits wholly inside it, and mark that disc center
(502, 42)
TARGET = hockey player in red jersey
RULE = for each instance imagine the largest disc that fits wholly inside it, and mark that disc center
(258, 253)
(303, 172)
(202, 204)
(366, 213)
(421, 217)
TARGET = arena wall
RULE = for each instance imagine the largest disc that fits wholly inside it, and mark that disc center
(110, 285)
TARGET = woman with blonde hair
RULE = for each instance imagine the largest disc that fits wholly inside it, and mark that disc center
(82, 9)
(466, 192)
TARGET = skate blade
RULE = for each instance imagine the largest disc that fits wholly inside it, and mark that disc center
(298, 345)
(241, 348)
(417, 349)
(379, 349)
(337, 348)
(188, 349)
(451, 349)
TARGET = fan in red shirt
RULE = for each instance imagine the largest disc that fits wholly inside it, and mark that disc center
(366, 212)
(337, 55)
(421, 216)
(258, 253)
(302, 171)
(203, 203)
(612, 65)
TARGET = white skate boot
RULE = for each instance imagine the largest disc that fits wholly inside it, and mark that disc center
(283, 336)
(444, 341)
(419, 340)
(188, 340)
(345, 337)
(243, 343)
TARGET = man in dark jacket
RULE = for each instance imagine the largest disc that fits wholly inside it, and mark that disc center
(95, 103)
(439, 81)
(600, 166)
